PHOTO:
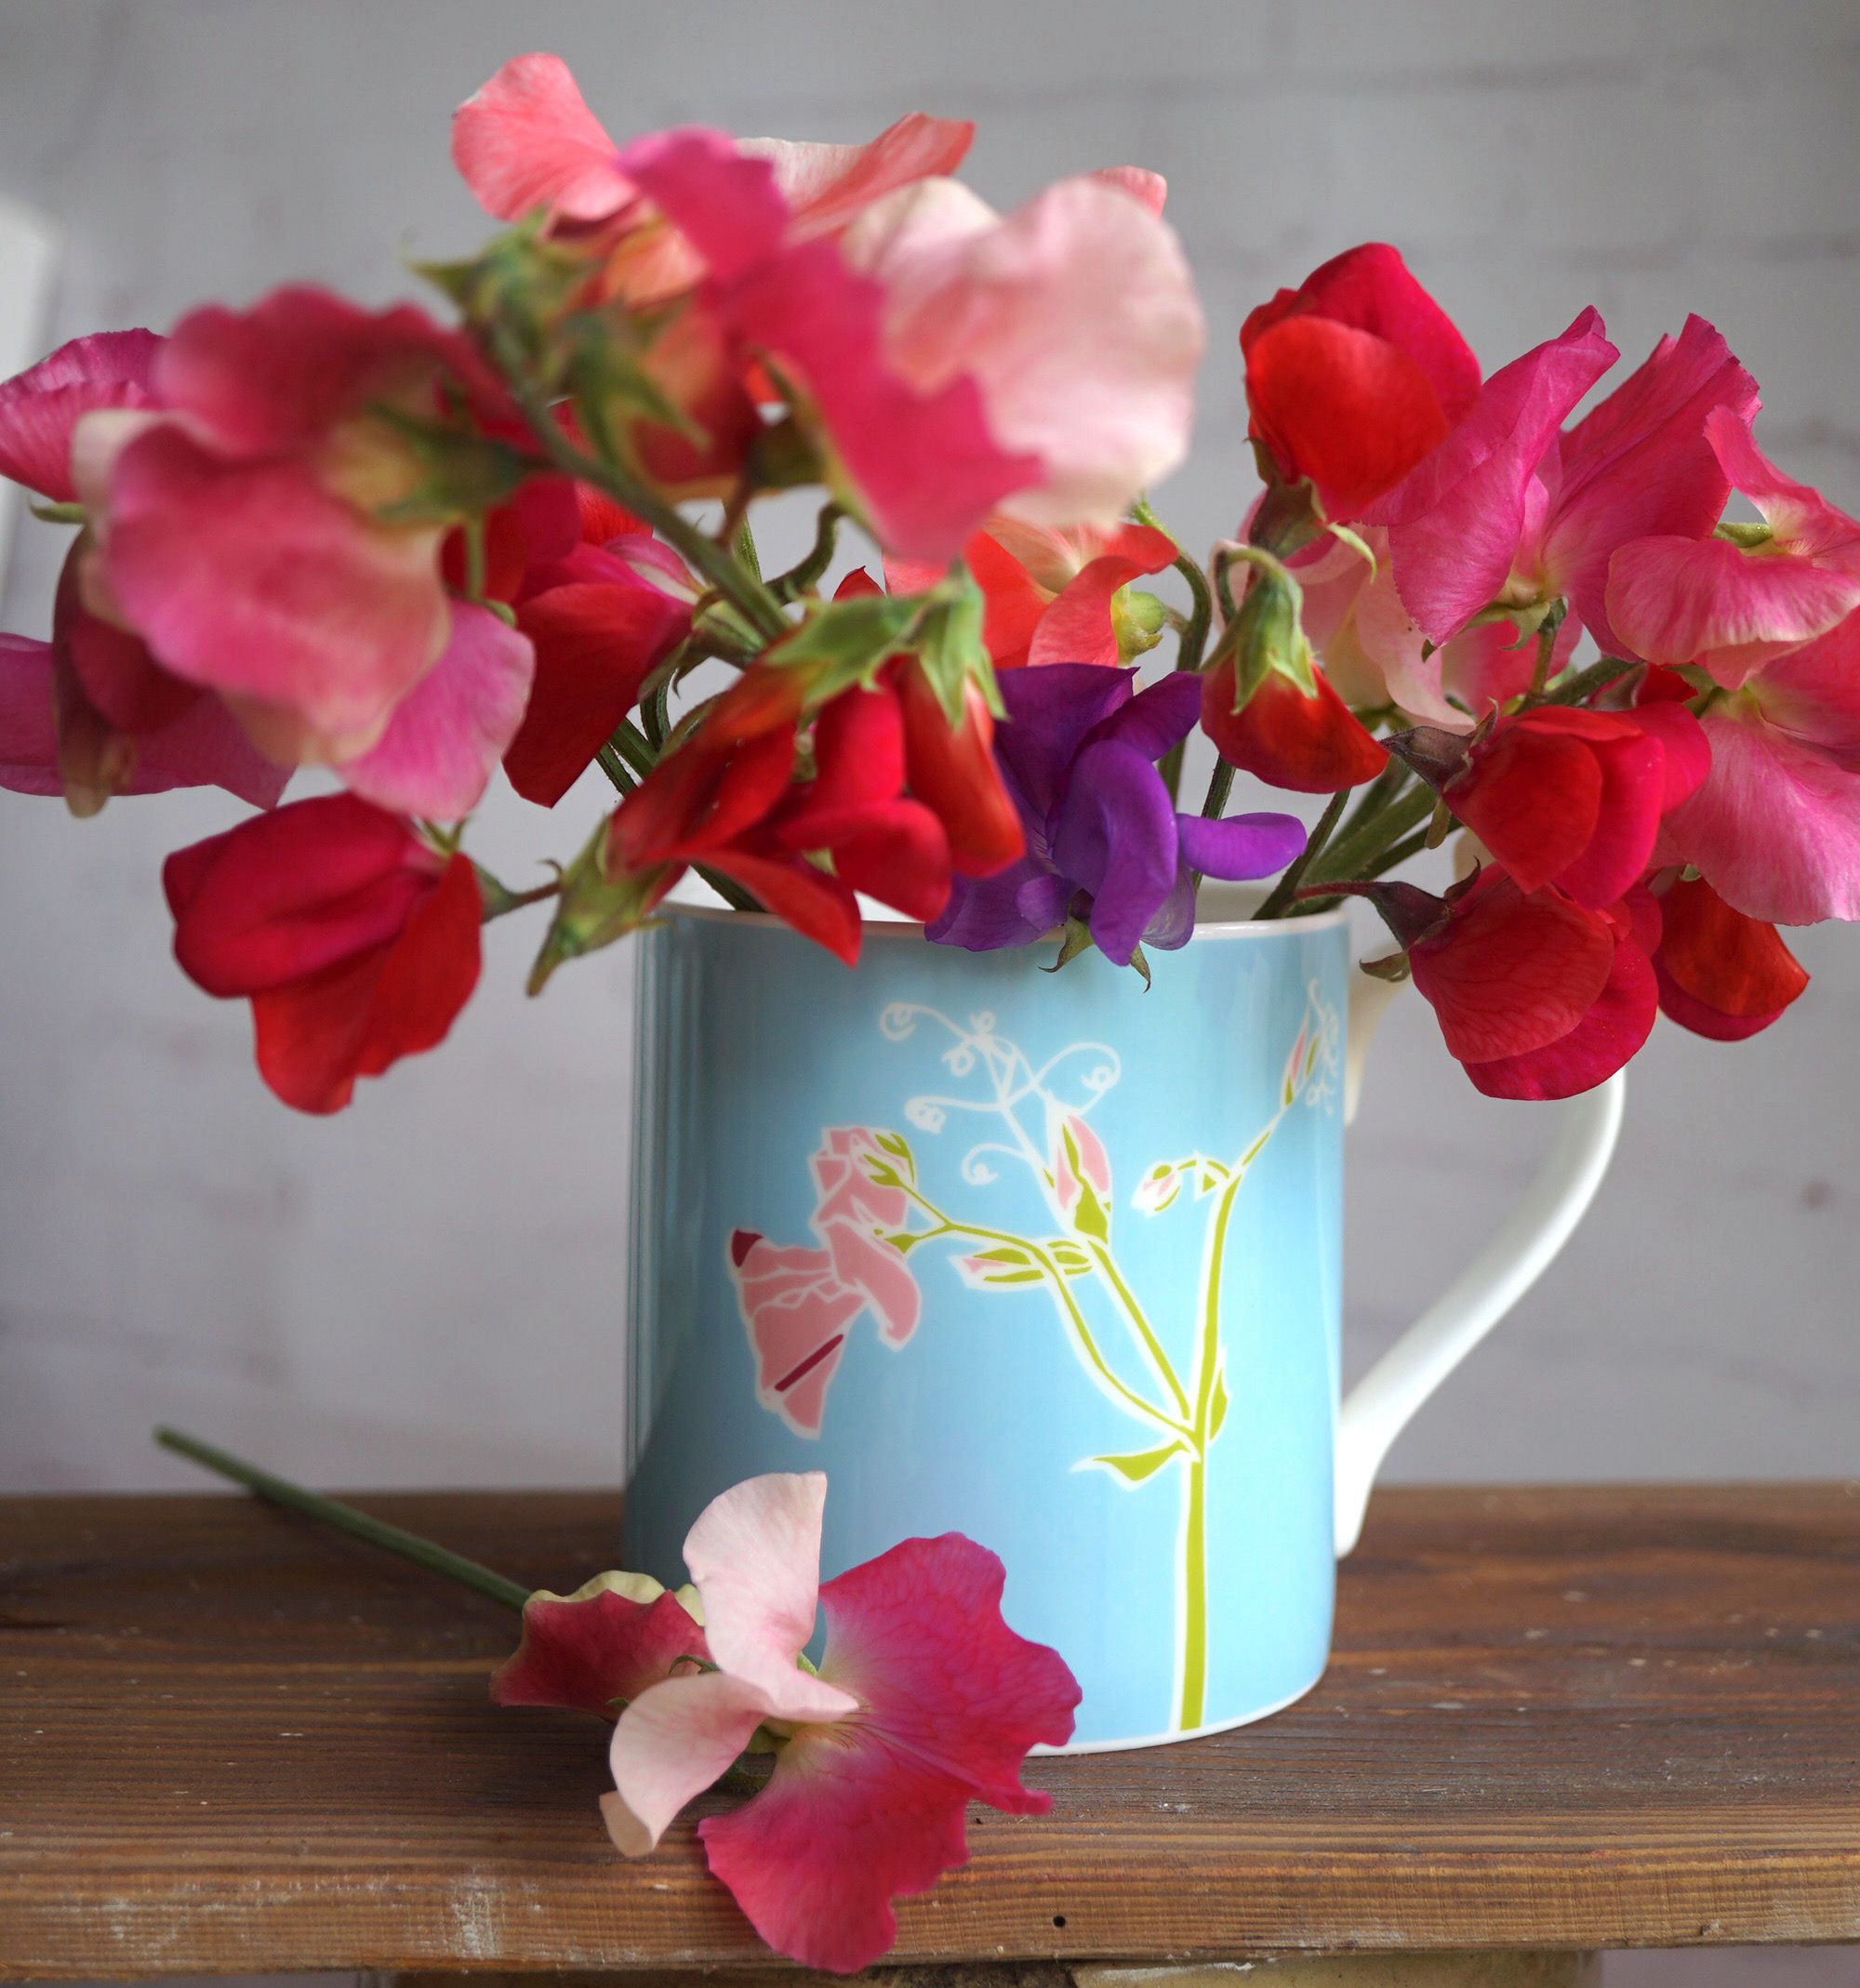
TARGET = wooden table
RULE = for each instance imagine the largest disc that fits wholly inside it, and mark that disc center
(1557, 1720)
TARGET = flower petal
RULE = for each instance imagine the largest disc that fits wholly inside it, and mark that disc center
(527, 138)
(754, 1554)
(1510, 973)
(673, 1741)
(604, 1645)
(40, 407)
(1775, 829)
(1608, 1036)
(1116, 836)
(1240, 847)
(256, 581)
(447, 734)
(595, 641)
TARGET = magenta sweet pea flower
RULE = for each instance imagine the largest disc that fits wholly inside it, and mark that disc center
(924, 1701)
(1104, 840)
(1729, 604)
(1776, 827)
(1456, 520)
(1509, 509)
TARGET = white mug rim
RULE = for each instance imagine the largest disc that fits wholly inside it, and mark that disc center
(890, 926)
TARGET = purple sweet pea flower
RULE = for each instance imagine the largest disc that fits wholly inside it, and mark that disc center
(1104, 840)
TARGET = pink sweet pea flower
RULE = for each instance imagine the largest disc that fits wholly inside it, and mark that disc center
(53, 740)
(243, 530)
(1727, 605)
(40, 407)
(924, 1701)
(1776, 827)
(601, 1647)
(1456, 520)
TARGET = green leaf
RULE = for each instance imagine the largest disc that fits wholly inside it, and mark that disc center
(900, 1240)
(898, 1146)
(1070, 1258)
(1136, 1465)
(1218, 1403)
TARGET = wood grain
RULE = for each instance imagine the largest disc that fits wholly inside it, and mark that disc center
(1564, 1717)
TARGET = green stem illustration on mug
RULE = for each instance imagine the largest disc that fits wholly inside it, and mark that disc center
(874, 1212)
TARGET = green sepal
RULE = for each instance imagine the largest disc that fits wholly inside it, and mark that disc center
(595, 907)
(843, 644)
(1268, 635)
(1076, 939)
(950, 650)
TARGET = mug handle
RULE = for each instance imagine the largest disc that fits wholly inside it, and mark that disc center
(1522, 1247)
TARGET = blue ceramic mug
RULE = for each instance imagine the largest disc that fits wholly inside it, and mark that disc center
(1043, 1258)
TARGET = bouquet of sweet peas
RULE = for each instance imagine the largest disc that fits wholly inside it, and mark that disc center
(406, 550)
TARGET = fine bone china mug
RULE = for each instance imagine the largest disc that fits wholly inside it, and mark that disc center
(1043, 1258)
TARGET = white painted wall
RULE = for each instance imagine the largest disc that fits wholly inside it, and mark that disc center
(427, 1289)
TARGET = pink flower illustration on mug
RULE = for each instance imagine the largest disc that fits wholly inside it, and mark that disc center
(799, 1301)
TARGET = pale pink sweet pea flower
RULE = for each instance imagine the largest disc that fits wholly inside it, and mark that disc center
(1048, 596)
(1375, 653)
(526, 140)
(1076, 316)
(924, 1701)
(1731, 607)
(948, 362)
(1776, 827)
(242, 530)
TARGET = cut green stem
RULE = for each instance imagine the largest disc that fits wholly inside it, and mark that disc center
(347, 1519)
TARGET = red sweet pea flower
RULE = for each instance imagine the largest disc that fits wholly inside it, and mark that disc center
(1354, 376)
(1567, 796)
(601, 620)
(1721, 974)
(726, 799)
(1537, 996)
(356, 942)
(1052, 596)
(926, 1700)
(1311, 742)
(949, 768)
(601, 1647)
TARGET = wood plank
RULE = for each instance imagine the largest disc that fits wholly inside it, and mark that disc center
(1558, 1717)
